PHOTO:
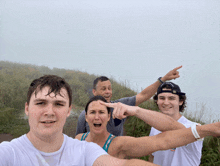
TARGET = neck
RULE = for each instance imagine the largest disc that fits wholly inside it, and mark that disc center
(177, 116)
(46, 144)
(98, 138)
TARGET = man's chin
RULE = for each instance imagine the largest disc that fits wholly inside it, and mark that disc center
(108, 99)
(165, 111)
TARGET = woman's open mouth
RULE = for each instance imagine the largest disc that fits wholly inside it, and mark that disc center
(97, 124)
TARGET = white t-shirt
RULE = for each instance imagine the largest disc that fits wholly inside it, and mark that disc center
(21, 152)
(188, 155)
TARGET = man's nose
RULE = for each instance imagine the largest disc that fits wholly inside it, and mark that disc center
(49, 110)
(108, 91)
(166, 101)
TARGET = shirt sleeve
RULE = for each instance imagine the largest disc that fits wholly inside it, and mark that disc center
(93, 151)
(6, 155)
(152, 132)
(81, 123)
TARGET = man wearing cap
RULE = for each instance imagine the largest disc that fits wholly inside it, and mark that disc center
(171, 101)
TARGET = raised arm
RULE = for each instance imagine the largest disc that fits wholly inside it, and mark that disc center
(149, 91)
(156, 119)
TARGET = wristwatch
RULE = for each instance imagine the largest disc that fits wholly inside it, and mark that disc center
(159, 79)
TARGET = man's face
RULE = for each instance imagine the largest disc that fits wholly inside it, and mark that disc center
(47, 113)
(103, 89)
(169, 103)
(97, 117)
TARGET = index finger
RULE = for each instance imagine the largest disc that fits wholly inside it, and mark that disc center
(177, 68)
(107, 104)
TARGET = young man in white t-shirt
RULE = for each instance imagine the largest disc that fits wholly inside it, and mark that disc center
(171, 101)
(48, 105)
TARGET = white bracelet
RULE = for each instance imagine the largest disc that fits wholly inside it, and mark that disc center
(194, 131)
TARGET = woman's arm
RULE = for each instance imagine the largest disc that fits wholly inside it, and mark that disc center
(155, 119)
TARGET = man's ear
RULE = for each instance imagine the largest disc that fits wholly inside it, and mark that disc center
(26, 108)
(109, 116)
(94, 92)
(181, 103)
(69, 110)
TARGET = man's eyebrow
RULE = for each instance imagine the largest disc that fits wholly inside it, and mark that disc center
(40, 100)
(37, 100)
(60, 101)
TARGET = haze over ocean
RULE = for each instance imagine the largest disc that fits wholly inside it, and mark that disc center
(133, 41)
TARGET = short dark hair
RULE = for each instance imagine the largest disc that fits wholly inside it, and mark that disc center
(55, 84)
(177, 91)
(96, 98)
(101, 78)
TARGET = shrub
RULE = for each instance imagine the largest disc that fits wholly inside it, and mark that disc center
(7, 115)
(11, 123)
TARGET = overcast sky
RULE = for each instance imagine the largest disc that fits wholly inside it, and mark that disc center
(132, 40)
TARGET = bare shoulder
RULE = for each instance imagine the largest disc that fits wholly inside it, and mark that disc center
(79, 136)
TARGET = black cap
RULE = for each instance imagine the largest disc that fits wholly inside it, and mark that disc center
(171, 88)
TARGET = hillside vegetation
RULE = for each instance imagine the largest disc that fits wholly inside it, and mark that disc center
(15, 79)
